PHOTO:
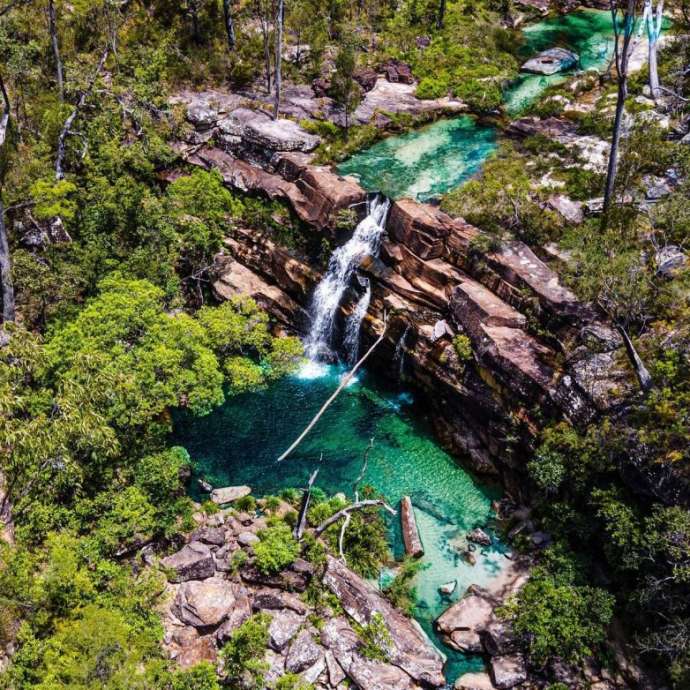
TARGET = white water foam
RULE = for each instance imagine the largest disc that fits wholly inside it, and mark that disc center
(365, 241)
(353, 326)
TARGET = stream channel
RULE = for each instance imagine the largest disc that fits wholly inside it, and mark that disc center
(240, 441)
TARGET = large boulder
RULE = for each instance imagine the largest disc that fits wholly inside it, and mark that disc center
(508, 671)
(474, 681)
(411, 650)
(279, 135)
(551, 61)
(205, 603)
(303, 653)
(324, 193)
(228, 494)
(462, 623)
(283, 627)
(194, 561)
(397, 72)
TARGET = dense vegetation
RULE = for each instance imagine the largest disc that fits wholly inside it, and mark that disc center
(115, 329)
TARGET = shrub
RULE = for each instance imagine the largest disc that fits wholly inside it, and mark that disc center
(243, 654)
(463, 347)
(276, 549)
(375, 638)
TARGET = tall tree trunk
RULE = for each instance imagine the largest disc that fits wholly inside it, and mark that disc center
(267, 54)
(52, 21)
(653, 21)
(6, 271)
(279, 57)
(5, 260)
(622, 50)
(615, 144)
(441, 14)
(229, 25)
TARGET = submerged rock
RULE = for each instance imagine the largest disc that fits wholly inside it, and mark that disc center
(479, 536)
(448, 588)
(228, 494)
(551, 61)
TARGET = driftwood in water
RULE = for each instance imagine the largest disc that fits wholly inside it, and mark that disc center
(359, 505)
(301, 524)
(410, 533)
(343, 383)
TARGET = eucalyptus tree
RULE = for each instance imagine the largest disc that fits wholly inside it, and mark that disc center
(652, 19)
(280, 17)
(229, 24)
(5, 260)
(623, 17)
(55, 45)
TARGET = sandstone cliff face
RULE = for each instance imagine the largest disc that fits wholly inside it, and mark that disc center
(537, 353)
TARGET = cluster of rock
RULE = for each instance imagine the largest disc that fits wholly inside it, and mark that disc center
(433, 281)
(208, 599)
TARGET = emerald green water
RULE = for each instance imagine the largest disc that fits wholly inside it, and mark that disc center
(425, 163)
(240, 441)
(589, 33)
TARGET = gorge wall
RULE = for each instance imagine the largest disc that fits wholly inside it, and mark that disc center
(537, 353)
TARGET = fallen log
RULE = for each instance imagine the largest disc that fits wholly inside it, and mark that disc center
(410, 533)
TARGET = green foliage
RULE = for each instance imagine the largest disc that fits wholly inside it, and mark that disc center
(53, 199)
(292, 681)
(242, 656)
(375, 638)
(200, 677)
(502, 200)
(401, 591)
(557, 616)
(345, 90)
(463, 347)
(276, 549)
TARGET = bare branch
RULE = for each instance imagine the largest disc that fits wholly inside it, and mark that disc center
(359, 505)
(343, 383)
(66, 128)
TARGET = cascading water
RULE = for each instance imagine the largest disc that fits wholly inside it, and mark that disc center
(344, 260)
(399, 356)
(354, 324)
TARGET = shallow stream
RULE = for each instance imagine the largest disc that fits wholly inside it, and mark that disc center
(426, 163)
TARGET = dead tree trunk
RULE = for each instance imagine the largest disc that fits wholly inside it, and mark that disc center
(653, 20)
(301, 523)
(343, 383)
(52, 22)
(8, 309)
(643, 376)
(622, 46)
(359, 505)
(278, 56)
(229, 24)
(66, 128)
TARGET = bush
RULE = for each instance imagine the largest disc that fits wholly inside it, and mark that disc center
(276, 549)
(243, 655)
(463, 347)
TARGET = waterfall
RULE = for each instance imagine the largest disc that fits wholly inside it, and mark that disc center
(353, 326)
(399, 355)
(365, 240)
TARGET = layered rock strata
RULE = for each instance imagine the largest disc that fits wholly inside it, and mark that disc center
(495, 343)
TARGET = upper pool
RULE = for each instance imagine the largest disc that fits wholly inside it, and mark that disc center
(589, 33)
(239, 442)
(426, 163)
